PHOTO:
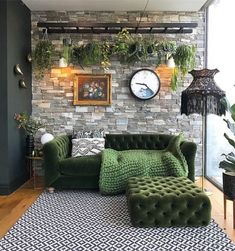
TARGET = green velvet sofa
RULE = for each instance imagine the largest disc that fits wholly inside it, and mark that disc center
(65, 172)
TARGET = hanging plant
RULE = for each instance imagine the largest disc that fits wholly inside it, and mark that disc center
(106, 52)
(89, 54)
(184, 58)
(137, 52)
(122, 44)
(166, 49)
(42, 57)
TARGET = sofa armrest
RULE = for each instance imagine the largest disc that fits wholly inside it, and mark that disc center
(189, 150)
(54, 151)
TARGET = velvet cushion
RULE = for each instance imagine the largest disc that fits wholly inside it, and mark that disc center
(83, 166)
(167, 201)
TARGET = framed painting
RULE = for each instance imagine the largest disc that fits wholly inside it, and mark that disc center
(92, 89)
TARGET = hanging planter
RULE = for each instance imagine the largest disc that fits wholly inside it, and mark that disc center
(184, 59)
(42, 57)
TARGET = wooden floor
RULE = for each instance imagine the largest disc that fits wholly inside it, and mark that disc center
(14, 205)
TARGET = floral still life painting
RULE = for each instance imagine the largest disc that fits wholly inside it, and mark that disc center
(92, 89)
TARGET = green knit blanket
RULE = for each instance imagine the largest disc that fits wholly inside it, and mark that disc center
(118, 166)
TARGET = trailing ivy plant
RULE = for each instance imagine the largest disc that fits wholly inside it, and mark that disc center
(184, 58)
(106, 52)
(122, 44)
(42, 57)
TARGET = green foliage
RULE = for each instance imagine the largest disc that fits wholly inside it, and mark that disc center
(106, 52)
(229, 163)
(122, 44)
(89, 54)
(131, 49)
(184, 58)
(28, 123)
(166, 49)
(42, 57)
(174, 79)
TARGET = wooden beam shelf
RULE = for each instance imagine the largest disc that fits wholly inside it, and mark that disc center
(113, 28)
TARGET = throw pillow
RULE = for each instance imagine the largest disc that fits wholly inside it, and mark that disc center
(87, 146)
(97, 133)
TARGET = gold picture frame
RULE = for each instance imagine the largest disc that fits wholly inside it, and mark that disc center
(92, 89)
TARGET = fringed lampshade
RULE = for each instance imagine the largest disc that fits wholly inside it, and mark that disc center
(203, 95)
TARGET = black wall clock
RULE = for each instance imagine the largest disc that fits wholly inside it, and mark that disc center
(144, 84)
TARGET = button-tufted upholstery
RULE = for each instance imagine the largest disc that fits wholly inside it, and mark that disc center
(61, 171)
(167, 201)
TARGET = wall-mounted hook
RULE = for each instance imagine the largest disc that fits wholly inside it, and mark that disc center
(22, 84)
(18, 70)
(29, 58)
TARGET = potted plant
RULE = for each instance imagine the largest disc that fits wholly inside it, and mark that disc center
(122, 44)
(30, 126)
(228, 164)
(42, 57)
(184, 58)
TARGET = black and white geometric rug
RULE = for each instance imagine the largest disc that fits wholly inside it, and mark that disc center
(87, 221)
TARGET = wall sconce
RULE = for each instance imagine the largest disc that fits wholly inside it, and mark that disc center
(170, 62)
(18, 70)
(63, 63)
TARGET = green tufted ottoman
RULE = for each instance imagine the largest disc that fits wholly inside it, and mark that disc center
(167, 201)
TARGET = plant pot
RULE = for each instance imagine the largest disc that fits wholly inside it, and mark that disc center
(229, 184)
(29, 145)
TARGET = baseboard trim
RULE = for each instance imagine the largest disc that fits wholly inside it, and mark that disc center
(10, 188)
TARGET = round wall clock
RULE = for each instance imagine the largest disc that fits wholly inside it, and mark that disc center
(144, 84)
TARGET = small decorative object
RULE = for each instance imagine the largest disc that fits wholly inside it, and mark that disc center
(18, 70)
(46, 138)
(203, 96)
(29, 58)
(22, 84)
(144, 84)
(92, 89)
(30, 126)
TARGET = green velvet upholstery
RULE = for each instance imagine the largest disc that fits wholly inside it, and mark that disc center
(83, 172)
(81, 166)
(167, 201)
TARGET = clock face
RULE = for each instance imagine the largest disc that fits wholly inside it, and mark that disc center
(144, 84)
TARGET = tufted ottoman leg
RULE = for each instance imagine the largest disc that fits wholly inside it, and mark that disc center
(167, 201)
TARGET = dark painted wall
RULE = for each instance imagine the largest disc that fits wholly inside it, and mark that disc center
(3, 94)
(13, 172)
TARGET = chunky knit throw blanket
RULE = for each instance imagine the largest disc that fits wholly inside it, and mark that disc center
(118, 166)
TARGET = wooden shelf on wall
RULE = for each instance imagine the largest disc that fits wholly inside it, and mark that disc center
(113, 28)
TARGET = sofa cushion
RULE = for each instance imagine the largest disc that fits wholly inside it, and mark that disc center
(82, 166)
(87, 146)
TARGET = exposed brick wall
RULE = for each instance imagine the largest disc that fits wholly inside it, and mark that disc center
(53, 96)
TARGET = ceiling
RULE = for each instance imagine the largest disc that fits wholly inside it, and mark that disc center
(115, 5)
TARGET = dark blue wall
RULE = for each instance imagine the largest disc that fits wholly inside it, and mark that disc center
(15, 30)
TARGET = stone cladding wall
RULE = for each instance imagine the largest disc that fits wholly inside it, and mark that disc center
(52, 98)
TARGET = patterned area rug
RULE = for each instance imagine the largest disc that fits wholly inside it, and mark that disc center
(72, 220)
